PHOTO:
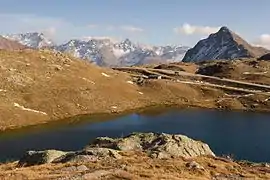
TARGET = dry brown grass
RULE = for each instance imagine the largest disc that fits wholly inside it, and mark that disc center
(249, 70)
(9, 44)
(62, 87)
(136, 165)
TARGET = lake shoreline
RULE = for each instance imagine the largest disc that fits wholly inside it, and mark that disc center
(109, 115)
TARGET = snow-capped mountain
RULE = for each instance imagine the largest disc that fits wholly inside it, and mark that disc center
(172, 52)
(224, 44)
(105, 51)
(32, 39)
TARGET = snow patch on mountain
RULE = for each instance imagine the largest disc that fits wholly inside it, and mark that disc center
(106, 51)
(33, 40)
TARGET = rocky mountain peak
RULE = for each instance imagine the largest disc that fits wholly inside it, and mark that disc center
(224, 44)
(104, 51)
(224, 29)
(31, 39)
(126, 45)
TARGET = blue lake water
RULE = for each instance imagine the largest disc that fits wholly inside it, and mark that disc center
(245, 135)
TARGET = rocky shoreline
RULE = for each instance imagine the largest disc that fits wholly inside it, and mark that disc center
(136, 156)
(161, 146)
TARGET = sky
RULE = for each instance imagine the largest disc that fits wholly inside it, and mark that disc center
(159, 22)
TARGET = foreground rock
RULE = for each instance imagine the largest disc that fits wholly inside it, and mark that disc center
(154, 145)
(40, 157)
(53, 156)
(137, 156)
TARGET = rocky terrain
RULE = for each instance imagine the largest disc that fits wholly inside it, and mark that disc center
(249, 70)
(105, 51)
(137, 156)
(224, 44)
(43, 85)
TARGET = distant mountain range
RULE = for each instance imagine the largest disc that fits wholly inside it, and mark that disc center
(106, 52)
(224, 44)
(33, 40)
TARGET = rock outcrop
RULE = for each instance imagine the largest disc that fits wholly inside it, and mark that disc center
(40, 157)
(224, 44)
(154, 145)
(265, 57)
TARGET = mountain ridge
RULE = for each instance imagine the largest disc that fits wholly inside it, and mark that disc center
(224, 44)
(105, 51)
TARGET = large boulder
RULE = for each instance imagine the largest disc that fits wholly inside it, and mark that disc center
(156, 145)
(88, 154)
(31, 158)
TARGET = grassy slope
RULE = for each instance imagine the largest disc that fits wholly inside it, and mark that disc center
(136, 165)
(61, 87)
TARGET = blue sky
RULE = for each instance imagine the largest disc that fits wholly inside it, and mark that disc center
(147, 21)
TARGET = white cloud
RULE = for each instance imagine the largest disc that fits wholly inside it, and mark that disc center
(264, 41)
(21, 23)
(59, 29)
(132, 29)
(50, 32)
(193, 29)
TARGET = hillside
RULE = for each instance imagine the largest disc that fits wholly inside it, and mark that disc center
(38, 86)
(10, 45)
(249, 70)
(41, 86)
(225, 44)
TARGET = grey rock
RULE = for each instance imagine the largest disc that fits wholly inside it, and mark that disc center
(156, 145)
(40, 157)
(81, 159)
(82, 168)
(224, 44)
(52, 156)
(194, 165)
(88, 155)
